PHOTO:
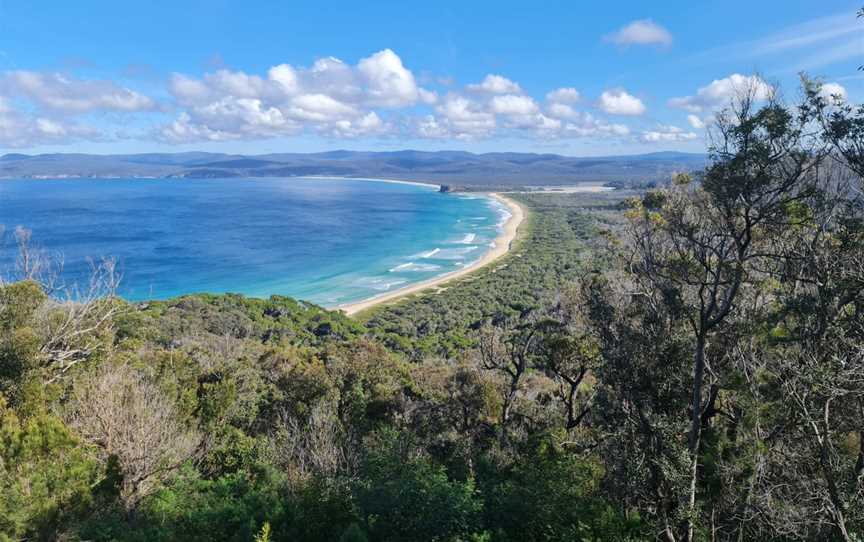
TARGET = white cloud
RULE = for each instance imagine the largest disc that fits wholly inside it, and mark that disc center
(369, 124)
(227, 119)
(496, 84)
(587, 125)
(832, 92)
(20, 130)
(429, 127)
(388, 83)
(510, 104)
(567, 95)
(695, 122)
(461, 118)
(464, 118)
(237, 84)
(641, 32)
(188, 91)
(286, 77)
(666, 134)
(619, 102)
(319, 108)
(427, 96)
(720, 92)
(69, 95)
(561, 111)
(330, 97)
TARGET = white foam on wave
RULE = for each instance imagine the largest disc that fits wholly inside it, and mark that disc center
(503, 216)
(414, 267)
(455, 253)
(468, 239)
(383, 285)
(379, 283)
(431, 253)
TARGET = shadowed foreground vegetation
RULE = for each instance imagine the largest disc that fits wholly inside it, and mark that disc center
(685, 364)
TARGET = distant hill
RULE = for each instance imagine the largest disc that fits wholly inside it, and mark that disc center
(448, 167)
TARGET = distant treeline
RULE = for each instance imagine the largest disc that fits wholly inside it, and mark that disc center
(463, 169)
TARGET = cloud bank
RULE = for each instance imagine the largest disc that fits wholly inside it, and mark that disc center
(378, 98)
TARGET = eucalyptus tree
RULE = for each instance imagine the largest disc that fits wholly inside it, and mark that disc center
(699, 244)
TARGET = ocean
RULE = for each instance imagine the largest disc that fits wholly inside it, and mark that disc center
(328, 241)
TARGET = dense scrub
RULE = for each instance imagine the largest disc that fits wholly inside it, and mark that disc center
(209, 417)
(552, 249)
(685, 365)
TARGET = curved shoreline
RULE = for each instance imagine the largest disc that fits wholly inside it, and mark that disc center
(502, 245)
(369, 179)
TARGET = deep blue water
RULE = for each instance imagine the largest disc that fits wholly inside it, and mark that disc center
(328, 241)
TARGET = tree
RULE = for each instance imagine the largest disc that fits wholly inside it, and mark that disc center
(507, 351)
(46, 477)
(130, 419)
(403, 496)
(699, 245)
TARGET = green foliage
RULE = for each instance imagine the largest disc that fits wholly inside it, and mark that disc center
(45, 476)
(551, 494)
(405, 496)
(229, 508)
(264, 534)
(19, 341)
(354, 533)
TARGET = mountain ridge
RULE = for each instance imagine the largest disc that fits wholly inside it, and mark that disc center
(453, 167)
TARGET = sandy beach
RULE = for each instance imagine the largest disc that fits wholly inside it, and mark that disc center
(502, 246)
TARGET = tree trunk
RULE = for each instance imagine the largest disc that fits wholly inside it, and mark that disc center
(695, 431)
(696, 406)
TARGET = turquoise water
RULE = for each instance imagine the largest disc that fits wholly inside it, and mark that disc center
(330, 241)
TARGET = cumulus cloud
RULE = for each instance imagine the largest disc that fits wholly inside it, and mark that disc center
(330, 97)
(641, 32)
(286, 77)
(496, 84)
(561, 111)
(487, 114)
(388, 83)
(832, 92)
(458, 118)
(619, 102)
(368, 124)
(695, 122)
(666, 134)
(70, 95)
(720, 92)
(587, 125)
(566, 95)
(21, 130)
(510, 104)
(379, 96)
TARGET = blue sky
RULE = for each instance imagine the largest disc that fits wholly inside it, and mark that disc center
(254, 77)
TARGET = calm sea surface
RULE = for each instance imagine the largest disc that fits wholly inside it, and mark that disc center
(329, 241)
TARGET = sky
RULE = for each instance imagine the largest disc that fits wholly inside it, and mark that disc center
(567, 77)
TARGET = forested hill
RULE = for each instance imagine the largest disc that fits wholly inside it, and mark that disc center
(454, 167)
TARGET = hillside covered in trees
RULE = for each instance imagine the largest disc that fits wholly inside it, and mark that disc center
(464, 169)
(685, 363)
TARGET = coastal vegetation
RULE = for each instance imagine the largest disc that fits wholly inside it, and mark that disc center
(681, 363)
